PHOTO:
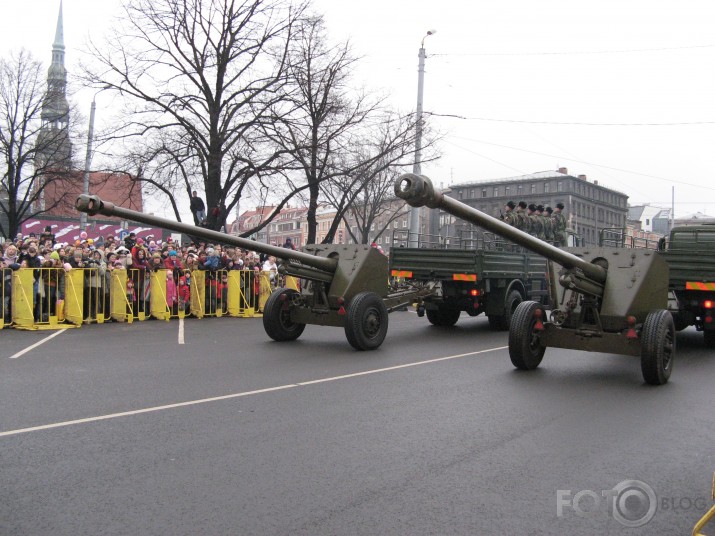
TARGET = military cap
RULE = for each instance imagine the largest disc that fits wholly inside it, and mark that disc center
(560, 205)
(549, 210)
(540, 208)
(510, 204)
(522, 204)
(532, 207)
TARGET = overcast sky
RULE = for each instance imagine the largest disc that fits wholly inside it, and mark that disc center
(619, 90)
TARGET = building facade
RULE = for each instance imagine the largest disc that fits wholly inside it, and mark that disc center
(588, 206)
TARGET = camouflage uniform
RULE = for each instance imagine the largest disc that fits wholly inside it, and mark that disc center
(522, 220)
(541, 231)
(534, 222)
(548, 225)
(559, 224)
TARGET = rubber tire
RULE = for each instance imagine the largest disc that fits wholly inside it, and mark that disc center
(444, 316)
(503, 322)
(525, 350)
(657, 347)
(367, 321)
(709, 338)
(276, 317)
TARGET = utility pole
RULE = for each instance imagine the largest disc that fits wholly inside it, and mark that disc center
(414, 230)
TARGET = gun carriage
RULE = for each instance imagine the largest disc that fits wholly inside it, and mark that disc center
(612, 300)
(341, 285)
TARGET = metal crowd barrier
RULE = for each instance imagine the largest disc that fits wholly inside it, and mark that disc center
(52, 298)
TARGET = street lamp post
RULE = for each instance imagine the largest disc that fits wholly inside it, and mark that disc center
(88, 158)
(414, 230)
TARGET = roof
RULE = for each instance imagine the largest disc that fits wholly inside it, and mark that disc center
(539, 175)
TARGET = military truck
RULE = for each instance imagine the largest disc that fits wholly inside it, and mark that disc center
(690, 254)
(476, 272)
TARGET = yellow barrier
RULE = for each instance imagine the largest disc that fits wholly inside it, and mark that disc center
(120, 308)
(709, 515)
(198, 292)
(22, 299)
(158, 307)
(51, 298)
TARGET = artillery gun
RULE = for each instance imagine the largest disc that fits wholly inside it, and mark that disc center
(612, 300)
(342, 285)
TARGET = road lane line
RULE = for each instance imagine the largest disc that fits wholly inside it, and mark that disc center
(240, 395)
(181, 331)
(43, 341)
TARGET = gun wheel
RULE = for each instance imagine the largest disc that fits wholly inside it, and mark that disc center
(658, 347)
(366, 325)
(525, 348)
(276, 316)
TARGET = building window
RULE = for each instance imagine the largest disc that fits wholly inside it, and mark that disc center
(547, 187)
(484, 192)
(560, 186)
(496, 191)
(404, 224)
(533, 188)
(506, 191)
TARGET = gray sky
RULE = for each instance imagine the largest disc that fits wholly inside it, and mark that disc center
(619, 90)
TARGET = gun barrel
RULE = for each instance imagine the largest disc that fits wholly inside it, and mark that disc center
(418, 191)
(91, 204)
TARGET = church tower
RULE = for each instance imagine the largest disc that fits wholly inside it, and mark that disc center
(54, 149)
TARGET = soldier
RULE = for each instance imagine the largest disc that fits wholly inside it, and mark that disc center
(534, 222)
(558, 220)
(549, 225)
(542, 222)
(509, 216)
(522, 221)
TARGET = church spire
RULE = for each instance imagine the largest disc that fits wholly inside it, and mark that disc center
(58, 47)
(54, 147)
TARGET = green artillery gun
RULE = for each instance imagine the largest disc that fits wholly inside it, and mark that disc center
(342, 285)
(613, 300)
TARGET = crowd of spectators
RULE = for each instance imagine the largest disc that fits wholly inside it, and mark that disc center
(136, 254)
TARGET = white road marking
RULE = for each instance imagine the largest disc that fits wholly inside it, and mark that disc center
(181, 331)
(240, 395)
(43, 341)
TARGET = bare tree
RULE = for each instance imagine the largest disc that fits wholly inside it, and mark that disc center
(320, 117)
(200, 78)
(35, 159)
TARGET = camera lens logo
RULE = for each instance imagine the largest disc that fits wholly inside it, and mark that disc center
(633, 503)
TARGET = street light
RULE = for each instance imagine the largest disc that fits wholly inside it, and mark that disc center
(88, 157)
(413, 234)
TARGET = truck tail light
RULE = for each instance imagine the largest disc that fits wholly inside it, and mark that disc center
(474, 292)
(708, 304)
(631, 333)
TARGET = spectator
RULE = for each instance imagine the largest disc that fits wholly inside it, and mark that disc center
(184, 295)
(198, 209)
(289, 244)
(130, 241)
(271, 267)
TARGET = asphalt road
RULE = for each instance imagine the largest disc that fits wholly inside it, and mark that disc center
(120, 430)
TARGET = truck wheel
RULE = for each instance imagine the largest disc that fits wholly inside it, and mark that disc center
(366, 325)
(709, 338)
(525, 349)
(658, 347)
(444, 316)
(503, 322)
(276, 317)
